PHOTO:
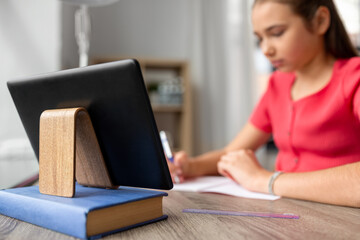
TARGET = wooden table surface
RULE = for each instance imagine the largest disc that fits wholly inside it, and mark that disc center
(317, 221)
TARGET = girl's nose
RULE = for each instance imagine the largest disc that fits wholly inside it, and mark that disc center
(267, 49)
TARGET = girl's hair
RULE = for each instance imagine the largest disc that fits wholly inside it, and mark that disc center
(337, 41)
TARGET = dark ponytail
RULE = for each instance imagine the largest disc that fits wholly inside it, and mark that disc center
(337, 41)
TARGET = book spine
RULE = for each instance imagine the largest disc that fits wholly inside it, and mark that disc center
(58, 217)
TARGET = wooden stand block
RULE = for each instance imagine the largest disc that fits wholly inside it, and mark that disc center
(68, 145)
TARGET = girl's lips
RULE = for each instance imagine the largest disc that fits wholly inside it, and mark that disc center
(277, 63)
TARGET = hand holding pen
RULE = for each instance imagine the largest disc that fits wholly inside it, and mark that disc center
(169, 155)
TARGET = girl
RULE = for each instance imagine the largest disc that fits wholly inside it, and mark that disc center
(311, 108)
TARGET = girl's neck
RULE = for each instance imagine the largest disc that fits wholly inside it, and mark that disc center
(312, 77)
(319, 67)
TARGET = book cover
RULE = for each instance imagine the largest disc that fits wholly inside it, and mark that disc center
(71, 216)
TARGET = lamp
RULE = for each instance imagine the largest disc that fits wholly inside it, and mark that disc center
(83, 25)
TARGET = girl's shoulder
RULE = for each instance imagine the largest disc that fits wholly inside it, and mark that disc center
(348, 75)
(348, 65)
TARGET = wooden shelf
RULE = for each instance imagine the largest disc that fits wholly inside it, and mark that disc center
(173, 118)
(167, 108)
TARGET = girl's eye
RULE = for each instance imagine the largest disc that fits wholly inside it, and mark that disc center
(277, 33)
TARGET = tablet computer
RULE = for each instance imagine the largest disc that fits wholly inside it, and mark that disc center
(115, 96)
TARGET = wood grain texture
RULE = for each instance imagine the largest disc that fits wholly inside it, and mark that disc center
(317, 221)
(57, 152)
(68, 145)
(91, 169)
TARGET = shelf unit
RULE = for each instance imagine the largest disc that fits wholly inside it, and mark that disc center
(173, 118)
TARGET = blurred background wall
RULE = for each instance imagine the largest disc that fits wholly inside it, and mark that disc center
(29, 44)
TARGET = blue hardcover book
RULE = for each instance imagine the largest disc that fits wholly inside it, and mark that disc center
(92, 213)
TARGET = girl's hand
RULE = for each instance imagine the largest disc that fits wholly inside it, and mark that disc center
(243, 167)
(173, 170)
(179, 169)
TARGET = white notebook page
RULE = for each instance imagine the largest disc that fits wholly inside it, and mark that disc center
(222, 185)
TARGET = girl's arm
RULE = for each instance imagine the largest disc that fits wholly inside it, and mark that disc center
(338, 185)
(206, 164)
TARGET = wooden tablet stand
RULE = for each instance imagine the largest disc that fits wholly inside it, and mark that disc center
(68, 145)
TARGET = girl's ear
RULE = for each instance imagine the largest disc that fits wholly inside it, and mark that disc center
(321, 21)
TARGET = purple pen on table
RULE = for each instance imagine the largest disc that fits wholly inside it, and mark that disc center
(168, 152)
(246, 214)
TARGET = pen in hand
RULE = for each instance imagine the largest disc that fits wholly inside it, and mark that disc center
(168, 152)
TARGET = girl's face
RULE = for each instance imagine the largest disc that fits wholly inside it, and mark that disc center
(283, 36)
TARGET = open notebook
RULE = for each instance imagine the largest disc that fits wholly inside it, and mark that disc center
(222, 185)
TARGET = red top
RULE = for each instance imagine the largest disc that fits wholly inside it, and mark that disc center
(319, 131)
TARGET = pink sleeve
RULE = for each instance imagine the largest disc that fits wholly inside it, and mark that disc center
(352, 85)
(260, 117)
